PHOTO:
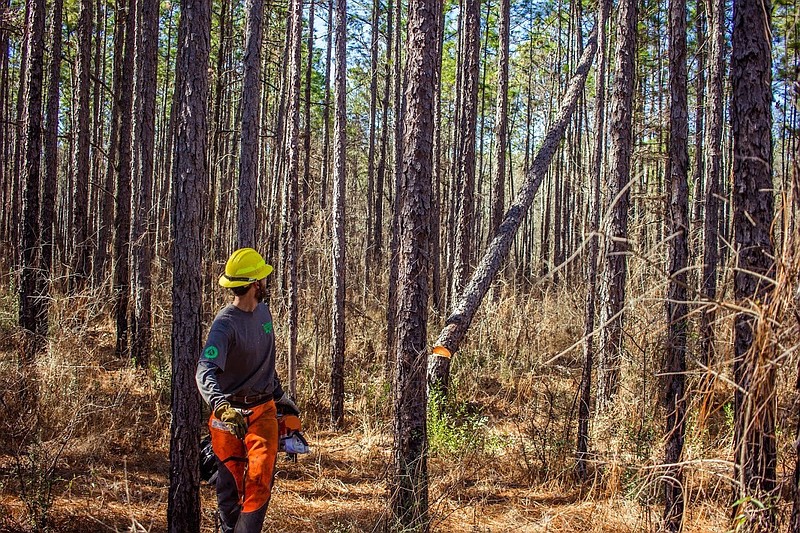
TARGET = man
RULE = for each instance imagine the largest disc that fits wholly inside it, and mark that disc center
(237, 378)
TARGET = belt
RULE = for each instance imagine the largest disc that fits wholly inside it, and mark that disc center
(250, 400)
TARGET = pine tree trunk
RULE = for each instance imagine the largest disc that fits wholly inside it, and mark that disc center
(292, 178)
(105, 218)
(19, 148)
(394, 247)
(615, 273)
(592, 252)
(189, 171)
(439, 371)
(678, 227)
(753, 203)
(409, 484)
(142, 223)
(80, 178)
(436, 211)
(713, 140)
(467, 129)
(381, 170)
(122, 211)
(338, 217)
(369, 246)
(698, 169)
(326, 115)
(501, 122)
(248, 157)
(307, 114)
(50, 145)
(5, 144)
(31, 282)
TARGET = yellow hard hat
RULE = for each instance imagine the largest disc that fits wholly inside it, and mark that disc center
(244, 266)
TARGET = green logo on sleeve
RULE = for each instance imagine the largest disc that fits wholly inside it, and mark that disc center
(211, 352)
(267, 327)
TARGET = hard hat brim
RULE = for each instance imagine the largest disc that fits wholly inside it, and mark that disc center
(259, 274)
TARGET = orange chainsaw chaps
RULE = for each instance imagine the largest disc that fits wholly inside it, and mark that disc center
(252, 461)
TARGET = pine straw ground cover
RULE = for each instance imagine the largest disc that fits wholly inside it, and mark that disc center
(501, 451)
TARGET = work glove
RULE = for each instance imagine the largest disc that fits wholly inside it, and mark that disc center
(287, 404)
(233, 418)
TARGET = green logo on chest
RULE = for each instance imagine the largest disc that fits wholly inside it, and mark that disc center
(267, 327)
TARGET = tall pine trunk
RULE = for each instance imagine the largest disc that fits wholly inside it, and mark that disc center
(292, 178)
(188, 175)
(715, 10)
(80, 166)
(678, 228)
(122, 211)
(50, 145)
(409, 483)
(753, 204)
(142, 222)
(248, 157)
(616, 269)
(338, 228)
(592, 252)
(31, 282)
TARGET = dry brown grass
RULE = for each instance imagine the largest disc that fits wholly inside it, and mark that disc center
(505, 464)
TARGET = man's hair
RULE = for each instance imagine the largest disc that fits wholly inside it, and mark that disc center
(242, 290)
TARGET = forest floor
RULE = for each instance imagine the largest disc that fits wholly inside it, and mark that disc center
(500, 459)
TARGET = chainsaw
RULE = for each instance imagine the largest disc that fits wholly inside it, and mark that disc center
(290, 441)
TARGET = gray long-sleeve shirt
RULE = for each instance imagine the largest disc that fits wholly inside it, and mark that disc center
(239, 356)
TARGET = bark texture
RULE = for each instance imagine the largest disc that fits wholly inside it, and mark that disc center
(251, 95)
(31, 282)
(409, 484)
(753, 204)
(80, 167)
(338, 227)
(616, 271)
(142, 220)
(715, 10)
(189, 171)
(592, 252)
(678, 230)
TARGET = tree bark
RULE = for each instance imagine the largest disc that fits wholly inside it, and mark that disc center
(142, 223)
(676, 299)
(409, 485)
(371, 166)
(394, 246)
(458, 322)
(753, 203)
(584, 412)
(715, 10)
(338, 234)
(326, 115)
(307, 115)
(31, 282)
(122, 212)
(292, 177)
(615, 273)
(381, 170)
(80, 167)
(248, 157)
(189, 171)
(501, 121)
(50, 145)
(467, 126)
